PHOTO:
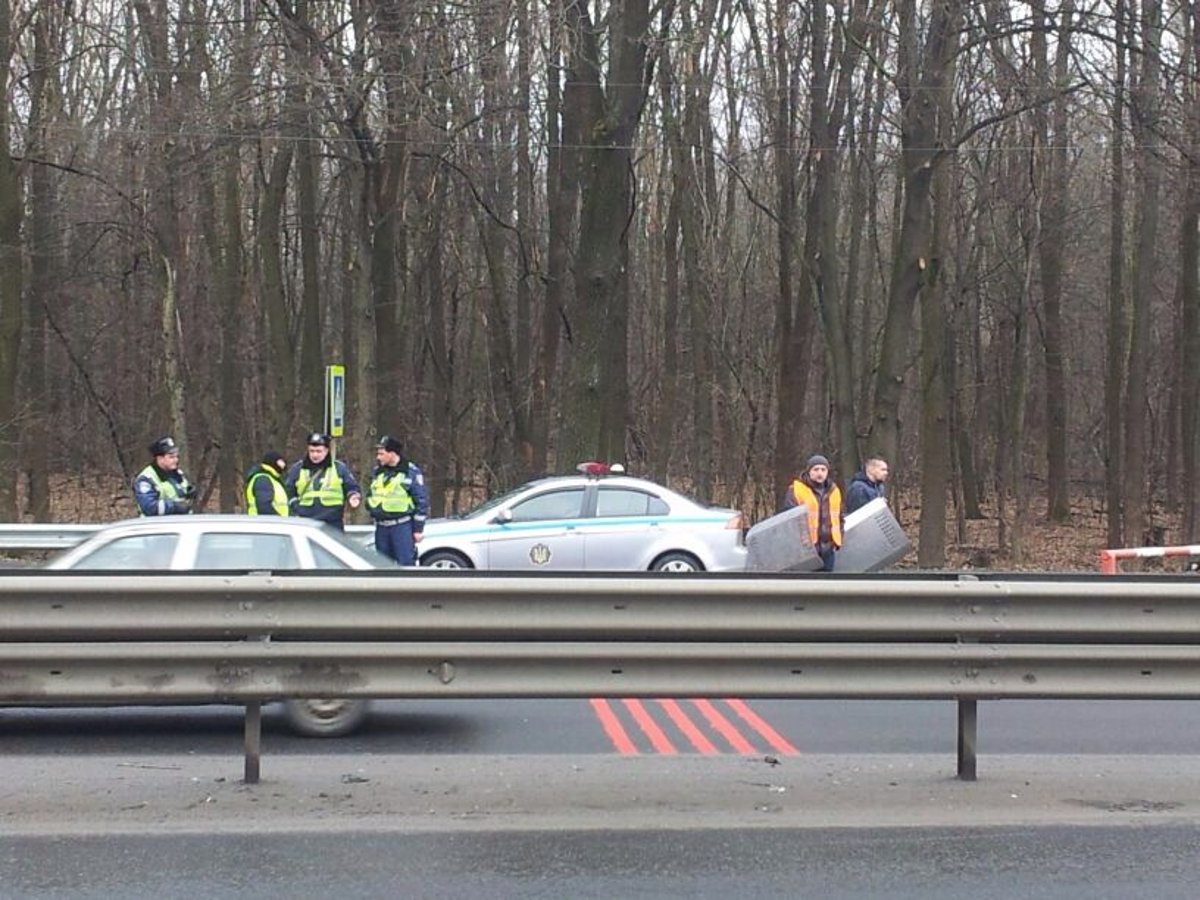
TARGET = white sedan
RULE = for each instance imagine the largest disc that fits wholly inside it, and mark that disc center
(231, 542)
(599, 520)
(214, 542)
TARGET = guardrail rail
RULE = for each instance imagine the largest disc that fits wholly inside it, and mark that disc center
(133, 638)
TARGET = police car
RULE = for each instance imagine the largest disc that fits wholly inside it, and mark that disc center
(598, 520)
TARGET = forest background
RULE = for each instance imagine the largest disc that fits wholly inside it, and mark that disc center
(706, 238)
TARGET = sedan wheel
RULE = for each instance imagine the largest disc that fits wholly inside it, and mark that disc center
(444, 559)
(677, 562)
(325, 717)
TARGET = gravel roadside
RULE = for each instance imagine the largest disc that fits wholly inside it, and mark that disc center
(89, 794)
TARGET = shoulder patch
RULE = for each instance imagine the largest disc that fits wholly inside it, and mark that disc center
(145, 487)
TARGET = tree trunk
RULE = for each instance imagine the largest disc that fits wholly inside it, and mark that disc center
(936, 350)
(11, 205)
(44, 259)
(563, 137)
(793, 324)
(313, 353)
(1189, 294)
(1135, 483)
(1051, 166)
(672, 184)
(1114, 373)
(596, 419)
(386, 175)
(922, 75)
(281, 386)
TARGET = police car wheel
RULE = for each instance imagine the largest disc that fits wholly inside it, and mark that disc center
(445, 559)
(677, 562)
(325, 717)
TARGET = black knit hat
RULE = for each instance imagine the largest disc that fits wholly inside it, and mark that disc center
(816, 460)
(275, 459)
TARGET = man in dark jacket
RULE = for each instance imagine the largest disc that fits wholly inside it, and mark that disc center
(398, 502)
(161, 489)
(866, 484)
(322, 485)
(266, 494)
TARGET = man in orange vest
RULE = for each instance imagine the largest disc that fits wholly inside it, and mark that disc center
(814, 490)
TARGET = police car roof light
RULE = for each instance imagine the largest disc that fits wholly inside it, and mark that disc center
(594, 469)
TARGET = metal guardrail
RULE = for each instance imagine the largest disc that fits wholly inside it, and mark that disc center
(75, 638)
(43, 537)
(21, 537)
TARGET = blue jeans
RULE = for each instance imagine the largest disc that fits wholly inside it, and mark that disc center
(828, 555)
(396, 542)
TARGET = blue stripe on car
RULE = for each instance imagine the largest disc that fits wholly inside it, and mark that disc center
(465, 531)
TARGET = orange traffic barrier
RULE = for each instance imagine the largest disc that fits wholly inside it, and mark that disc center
(1109, 559)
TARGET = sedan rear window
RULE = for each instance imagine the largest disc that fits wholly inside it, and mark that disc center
(612, 502)
(246, 551)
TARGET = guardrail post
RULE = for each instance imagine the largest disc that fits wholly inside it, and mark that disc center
(967, 730)
(253, 740)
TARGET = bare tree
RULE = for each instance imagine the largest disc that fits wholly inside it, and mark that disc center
(11, 205)
(612, 98)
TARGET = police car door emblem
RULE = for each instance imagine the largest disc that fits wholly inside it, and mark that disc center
(539, 554)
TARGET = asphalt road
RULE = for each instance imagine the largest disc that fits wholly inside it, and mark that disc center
(921, 864)
(575, 727)
(542, 799)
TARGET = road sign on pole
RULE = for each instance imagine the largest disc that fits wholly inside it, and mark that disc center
(335, 400)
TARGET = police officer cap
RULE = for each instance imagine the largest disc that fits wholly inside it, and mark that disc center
(317, 439)
(390, 444)
(816, 460)
(163, 446)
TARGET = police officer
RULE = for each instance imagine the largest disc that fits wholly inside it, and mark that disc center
(161, 489)
(266, 494)
(322, 486)
(397, 501)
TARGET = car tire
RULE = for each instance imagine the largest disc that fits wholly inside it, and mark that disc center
(445, 559)
(325, 717)
(677, 561)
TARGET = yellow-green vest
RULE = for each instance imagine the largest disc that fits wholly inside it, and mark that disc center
(279, 498)
(330, 492)
(389, 495)
(167, 489)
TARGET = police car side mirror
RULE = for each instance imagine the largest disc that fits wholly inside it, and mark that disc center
(503, 517)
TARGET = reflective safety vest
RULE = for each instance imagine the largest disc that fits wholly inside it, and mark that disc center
(279, 497)
(805, 497)
(389, 493)
(320, 487)
(167, 488)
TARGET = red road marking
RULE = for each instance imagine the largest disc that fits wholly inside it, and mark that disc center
(724, 727)
(688, 727)
(649, 727)
(773, 737)
(612, 727)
